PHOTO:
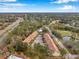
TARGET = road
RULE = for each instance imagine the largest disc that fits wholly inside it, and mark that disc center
(68, 55)
(4, 33)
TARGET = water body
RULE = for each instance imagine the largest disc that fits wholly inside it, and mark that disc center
(66, 38)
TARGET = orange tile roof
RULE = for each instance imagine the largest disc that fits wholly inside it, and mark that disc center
(50, 42)
(3, 57)
(31, 37)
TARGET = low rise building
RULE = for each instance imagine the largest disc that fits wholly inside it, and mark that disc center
(31, 37)
(51, 45)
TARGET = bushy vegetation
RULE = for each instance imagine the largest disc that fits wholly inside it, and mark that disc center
(34, 21)
(38, 52)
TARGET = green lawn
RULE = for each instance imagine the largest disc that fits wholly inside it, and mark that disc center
(64, 33)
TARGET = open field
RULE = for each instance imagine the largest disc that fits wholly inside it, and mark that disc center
(64, 33)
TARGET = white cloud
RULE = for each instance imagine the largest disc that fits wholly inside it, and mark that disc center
(67, 7)
(7, 0)
(64, 1)
(13, 5)
(6, 9)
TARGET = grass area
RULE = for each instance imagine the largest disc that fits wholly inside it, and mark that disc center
(68, 33)
(64, 33)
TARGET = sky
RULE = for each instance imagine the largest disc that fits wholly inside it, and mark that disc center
(39, 6)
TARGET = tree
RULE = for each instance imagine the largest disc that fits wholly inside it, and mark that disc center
(63, 52)
(20, 46)
(41, 49)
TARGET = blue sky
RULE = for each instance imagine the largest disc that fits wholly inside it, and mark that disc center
(39, 6)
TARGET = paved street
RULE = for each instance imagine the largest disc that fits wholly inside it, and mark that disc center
(4, 33)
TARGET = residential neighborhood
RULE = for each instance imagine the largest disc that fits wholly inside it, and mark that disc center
(38, 36)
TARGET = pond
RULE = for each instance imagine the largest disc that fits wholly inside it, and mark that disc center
(66, 38)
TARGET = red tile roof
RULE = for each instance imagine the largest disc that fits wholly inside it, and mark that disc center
(31, 37)
(50, 42)
(3, 57)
